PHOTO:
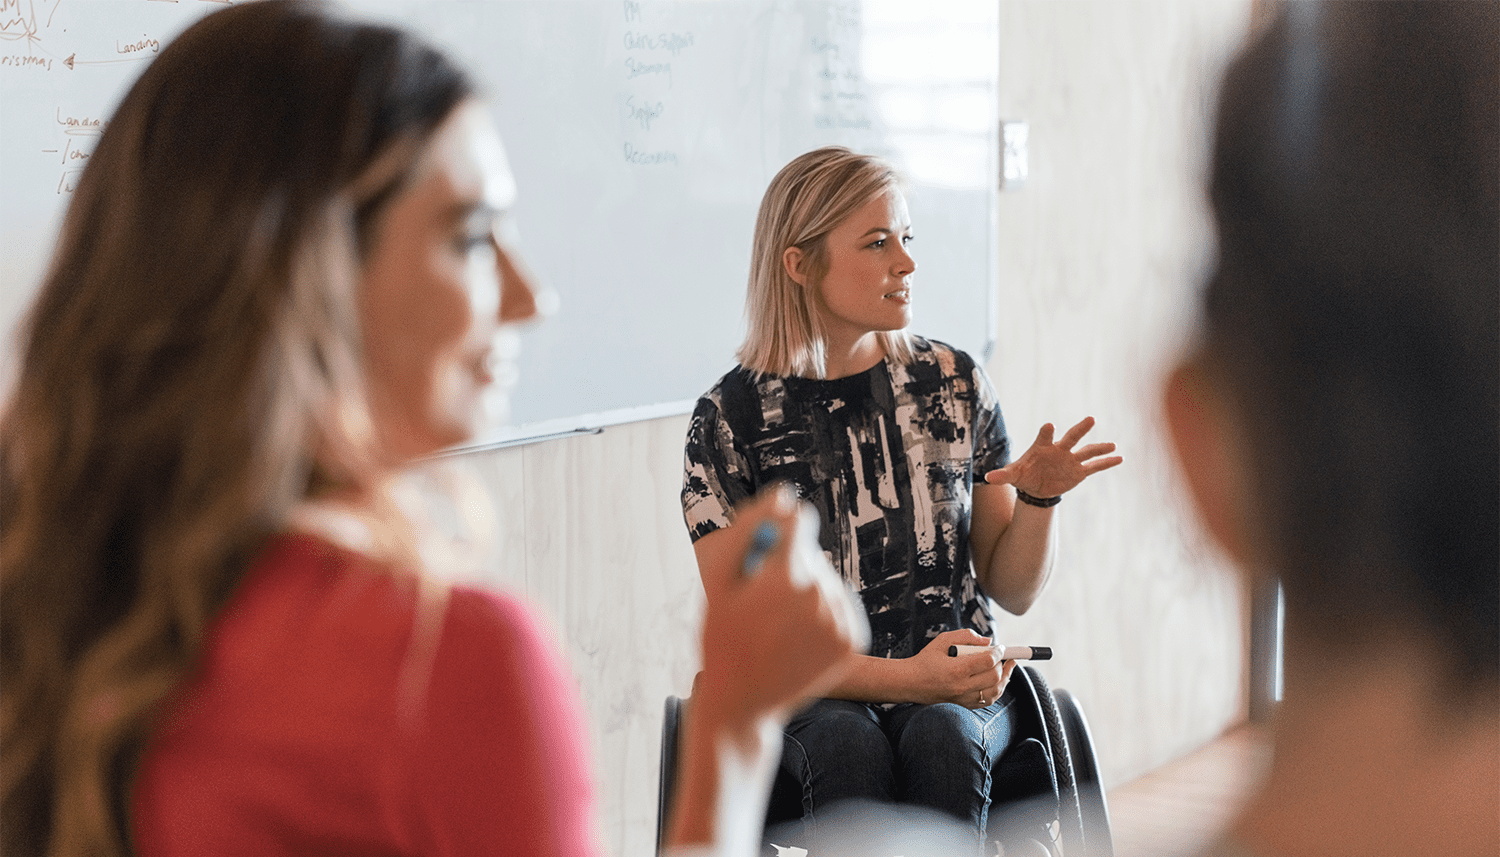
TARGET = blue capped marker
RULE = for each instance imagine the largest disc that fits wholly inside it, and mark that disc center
(766, 536)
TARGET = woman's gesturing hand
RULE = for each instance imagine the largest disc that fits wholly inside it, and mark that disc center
(1048, 469)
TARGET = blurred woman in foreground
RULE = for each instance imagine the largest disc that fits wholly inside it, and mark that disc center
(280, 281)
(1337, 422)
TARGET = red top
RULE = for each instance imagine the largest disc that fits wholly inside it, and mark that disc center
(336, 713)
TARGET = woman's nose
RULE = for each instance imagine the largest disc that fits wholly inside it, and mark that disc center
(905, 264)
(517, 291)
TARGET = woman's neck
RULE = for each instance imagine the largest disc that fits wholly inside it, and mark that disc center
(366, 520)
(1370, 760)
(851, 357)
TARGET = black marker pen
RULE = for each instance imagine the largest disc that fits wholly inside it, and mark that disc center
(1007, 653)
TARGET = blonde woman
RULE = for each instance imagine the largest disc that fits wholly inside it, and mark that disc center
(279, 282)
(899, 443)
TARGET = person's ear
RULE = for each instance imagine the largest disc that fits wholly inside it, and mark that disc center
(1210, 453)
(792, 259)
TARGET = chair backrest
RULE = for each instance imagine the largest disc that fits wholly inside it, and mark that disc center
(671, 726)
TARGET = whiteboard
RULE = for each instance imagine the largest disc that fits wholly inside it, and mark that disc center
(642, 135)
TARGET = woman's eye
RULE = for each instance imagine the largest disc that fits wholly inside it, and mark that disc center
(878, 244)
(907, 239)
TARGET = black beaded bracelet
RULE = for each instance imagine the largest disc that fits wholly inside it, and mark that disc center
(1039, 502)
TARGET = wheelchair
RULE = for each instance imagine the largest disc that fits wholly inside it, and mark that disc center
(1053, 718)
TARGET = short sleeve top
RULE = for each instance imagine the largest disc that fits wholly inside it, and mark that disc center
(887, 457)
(343, 708)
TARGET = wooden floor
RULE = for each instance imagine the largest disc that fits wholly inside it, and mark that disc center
(1178, 808)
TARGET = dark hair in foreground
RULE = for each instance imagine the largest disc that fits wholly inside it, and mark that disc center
(191, 371)
(1355, 316)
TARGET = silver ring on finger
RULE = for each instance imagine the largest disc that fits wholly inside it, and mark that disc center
(982, 703)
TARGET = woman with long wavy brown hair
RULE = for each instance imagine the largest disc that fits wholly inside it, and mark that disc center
(278, 282)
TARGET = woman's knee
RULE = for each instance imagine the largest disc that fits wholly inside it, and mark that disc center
(841, 729)
(945, 732)
(944, 721)
(839, 752)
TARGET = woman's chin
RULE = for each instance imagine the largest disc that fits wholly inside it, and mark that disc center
(494, 407)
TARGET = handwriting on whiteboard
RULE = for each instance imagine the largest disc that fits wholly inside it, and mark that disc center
(650, 82)
(34, 35)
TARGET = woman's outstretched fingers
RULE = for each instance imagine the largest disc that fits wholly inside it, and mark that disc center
(1094, 450)
(1076, 433)
(1100, 464)
(1002, 476)
(1044, 435)
(1048, 469)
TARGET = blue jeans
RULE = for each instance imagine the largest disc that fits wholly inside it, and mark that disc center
(939, 757)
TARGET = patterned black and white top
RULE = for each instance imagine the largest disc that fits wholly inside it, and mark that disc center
(887, 456)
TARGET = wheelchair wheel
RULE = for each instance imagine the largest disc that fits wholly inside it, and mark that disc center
(1086, 774)
(1069, 807)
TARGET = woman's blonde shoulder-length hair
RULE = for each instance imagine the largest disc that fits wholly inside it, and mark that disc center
(806, 200)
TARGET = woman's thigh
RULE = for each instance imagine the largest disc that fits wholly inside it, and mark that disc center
(945, 754)
(950, 731)
(837, 750)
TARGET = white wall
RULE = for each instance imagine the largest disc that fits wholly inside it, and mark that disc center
(1100, 258)
(1100, 255)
